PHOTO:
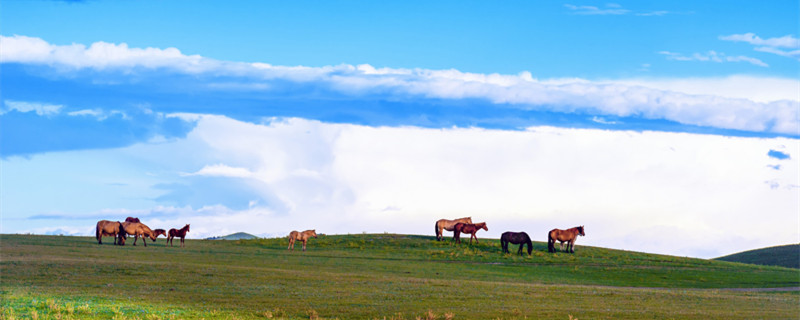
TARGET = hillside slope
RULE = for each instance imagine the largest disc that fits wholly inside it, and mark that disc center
(784, 256)
(374, 276)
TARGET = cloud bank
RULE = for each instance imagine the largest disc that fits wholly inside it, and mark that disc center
(522, 91)
(633, 190)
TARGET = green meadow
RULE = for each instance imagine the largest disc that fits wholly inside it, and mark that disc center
(375, 276)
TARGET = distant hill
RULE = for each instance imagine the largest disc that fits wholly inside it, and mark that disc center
(235, 236)
(784, 256)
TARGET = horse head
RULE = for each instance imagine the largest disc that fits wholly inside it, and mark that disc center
(314, 233)
(483, 226)
(580, 231)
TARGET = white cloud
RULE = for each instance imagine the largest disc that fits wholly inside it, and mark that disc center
(221, 170)
(610, 9)
(770, 45)
(787, 41)
(713, 56)
(42, 109)
(523, 90)
(759, 89)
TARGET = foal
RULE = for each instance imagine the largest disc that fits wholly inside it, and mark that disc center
(180, 233)
(468, 228)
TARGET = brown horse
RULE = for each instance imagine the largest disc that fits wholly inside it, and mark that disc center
(107, 228)
(444, 224)
(137, 229)
(160, 232)
(132, 219)
(302, 236)
(562, 236)
(180, 233)
(468, 228)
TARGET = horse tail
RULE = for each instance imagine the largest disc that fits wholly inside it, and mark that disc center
(551, 242)
(436, 229)
(530, 246)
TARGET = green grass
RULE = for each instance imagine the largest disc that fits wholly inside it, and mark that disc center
(784, 256)
(373, 276)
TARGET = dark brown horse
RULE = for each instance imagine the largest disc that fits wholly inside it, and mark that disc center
(180, 233)
(562, 236)
(520, 238)
(445, 224)
(107, 228)
(468, 228)
(132, 219)
(302, 236)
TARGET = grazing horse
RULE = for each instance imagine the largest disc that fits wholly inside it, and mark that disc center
(468, 228)
(562, 236)
(132, 219)
(109, 228)
(137, 229)
(444, 224)
(520, 238)
(302, 236)
(180, 233)
(160, 232)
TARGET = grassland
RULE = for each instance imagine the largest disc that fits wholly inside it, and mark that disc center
(784, 256)
(374, 276)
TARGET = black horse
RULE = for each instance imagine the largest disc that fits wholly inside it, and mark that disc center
(520, 238)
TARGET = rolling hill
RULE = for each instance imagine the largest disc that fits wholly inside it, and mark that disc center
(235, 236)
(375, 276)
(785, 256)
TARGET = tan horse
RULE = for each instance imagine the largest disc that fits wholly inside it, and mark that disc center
(444, 224)
(302, 236)
(562, 236)
(137, 229)
(472, 229)
(107, 228)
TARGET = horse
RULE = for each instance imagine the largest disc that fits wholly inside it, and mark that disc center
(520, 238)
(180, 233)
(562, 236)
(302, 236)
(444, 224)
(137, 229)
(160, 232)
(468, 228)
(109, 228)
(132, 219)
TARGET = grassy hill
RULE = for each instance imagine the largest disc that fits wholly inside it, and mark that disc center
(784, 256)
(374, 276)
(235, 236)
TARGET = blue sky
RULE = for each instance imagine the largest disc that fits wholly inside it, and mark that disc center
(631, 118)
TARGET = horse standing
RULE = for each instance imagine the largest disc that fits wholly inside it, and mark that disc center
(562, 236)
(109, 228)
(137, 230)
(468, 228)
(302, 236)
(180, 233)
(444, 224)
(520, 238)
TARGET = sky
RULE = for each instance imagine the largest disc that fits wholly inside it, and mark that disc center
(668, 127)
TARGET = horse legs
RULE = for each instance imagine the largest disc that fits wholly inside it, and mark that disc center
(457, 236)
(182, 244)
(473, 236)
(519, 252)
(291, 244)
(571, 246)
(304, 245)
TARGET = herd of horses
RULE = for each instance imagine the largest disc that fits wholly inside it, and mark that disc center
(134, 227)
(465, 225)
